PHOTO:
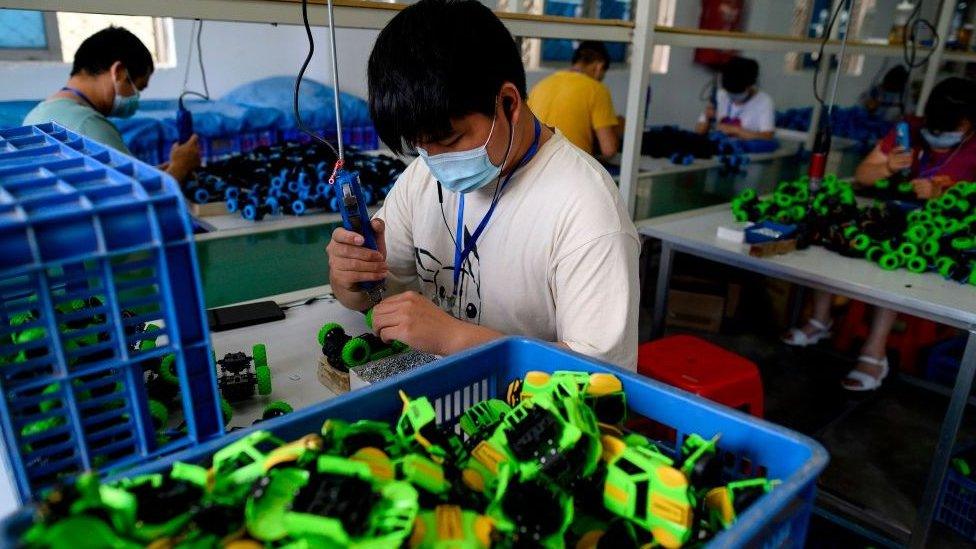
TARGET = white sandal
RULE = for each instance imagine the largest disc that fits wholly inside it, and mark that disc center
(798, 338)
(867, 381)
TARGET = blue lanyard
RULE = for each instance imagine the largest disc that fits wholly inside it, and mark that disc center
(463, 249)
(80, 95)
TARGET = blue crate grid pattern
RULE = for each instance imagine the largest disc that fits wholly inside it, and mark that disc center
(957, 504)
(94, 245)
(751, 446)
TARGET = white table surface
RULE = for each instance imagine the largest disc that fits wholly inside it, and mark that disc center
(926, 295)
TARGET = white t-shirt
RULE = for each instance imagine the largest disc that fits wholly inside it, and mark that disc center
(756, 115)
(557, 261)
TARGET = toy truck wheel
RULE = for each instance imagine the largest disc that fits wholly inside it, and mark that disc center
(226, 411)
(328, 330)
(277, 408)
(355, 352)
(158, 413)
(263, 374)
(260, 353)
(167, 370)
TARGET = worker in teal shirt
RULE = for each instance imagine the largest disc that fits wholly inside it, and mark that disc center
(110, 68)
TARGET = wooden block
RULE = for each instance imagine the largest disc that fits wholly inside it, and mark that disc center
(208, 209)
(334, 379)
(775, 247)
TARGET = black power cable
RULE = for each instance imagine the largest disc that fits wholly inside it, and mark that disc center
(203, 71)
(301, 76)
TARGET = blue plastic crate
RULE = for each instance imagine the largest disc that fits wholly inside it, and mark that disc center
(92, 245)
(957, 504)
(752, 446)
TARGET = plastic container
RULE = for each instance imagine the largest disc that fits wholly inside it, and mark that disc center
(93, 244)
(753, 446)
(957, 504)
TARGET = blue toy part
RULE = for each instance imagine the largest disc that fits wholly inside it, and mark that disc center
(903, 135)
(201, 195)
(232, 204)
(298, 207)
(768, 231)
(232, 192)
(352, 207)
(184, 124)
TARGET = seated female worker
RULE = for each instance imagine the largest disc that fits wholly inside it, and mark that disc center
(943, 153)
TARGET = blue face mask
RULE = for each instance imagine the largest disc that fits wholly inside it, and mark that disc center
(739, 97)
(944, 140)
(465, 171)
(125, 106)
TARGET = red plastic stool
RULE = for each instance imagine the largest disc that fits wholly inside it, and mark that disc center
(708, 370)
(910, 335)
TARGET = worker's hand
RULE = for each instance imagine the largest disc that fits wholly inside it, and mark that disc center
(709, 112)
(730, 130)
(350, 263)
(899, 159)
(924, 188)
(416, 321)
(184, 158)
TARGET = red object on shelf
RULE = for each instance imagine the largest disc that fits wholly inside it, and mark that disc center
(699, 367)
(720, 15)
(909, 337)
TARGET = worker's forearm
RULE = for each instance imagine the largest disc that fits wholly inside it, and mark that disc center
(702, 127)
(471, 335)
(867, 173)
(749, 134)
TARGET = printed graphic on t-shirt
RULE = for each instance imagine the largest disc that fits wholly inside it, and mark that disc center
(437, 280)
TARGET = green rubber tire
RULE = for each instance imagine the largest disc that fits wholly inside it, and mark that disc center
(889, 261)
(167, 370)
(369, 313)
(930, 247)
(963, 243)
(226, 411)
(260, 353)
(355, 352)
(263, 373)
(907, 249)
(917, 264)
(326, 329)
(874, 254)
(861, 242)
(159, 414)
(882, 184)
(945, 265)
(279, 406)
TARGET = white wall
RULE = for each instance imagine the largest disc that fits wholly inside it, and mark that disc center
(235, 53)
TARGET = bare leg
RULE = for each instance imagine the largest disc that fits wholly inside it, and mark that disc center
(821, 311)
(876, 343)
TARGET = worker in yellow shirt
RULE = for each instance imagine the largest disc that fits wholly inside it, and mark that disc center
(578, 103)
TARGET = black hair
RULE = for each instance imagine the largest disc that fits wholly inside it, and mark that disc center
(437, 60)
(739, 74)
(952, 101)
(895, 78)
(101, 50)
(589, 51)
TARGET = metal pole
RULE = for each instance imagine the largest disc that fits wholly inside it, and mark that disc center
(947, 438)
(840, 60)
(640, 68)
(932, 69)
(335, 82)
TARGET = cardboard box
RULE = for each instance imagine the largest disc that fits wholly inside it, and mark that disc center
(695, 311)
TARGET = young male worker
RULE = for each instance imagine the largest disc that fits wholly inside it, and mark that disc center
(578, 104)
(501, 227)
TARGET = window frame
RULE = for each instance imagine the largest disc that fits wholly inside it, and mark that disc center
(51, 53)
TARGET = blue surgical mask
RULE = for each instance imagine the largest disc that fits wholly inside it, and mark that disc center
(465, 171)
(944, 140)
(125, 106)
(739, 97)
